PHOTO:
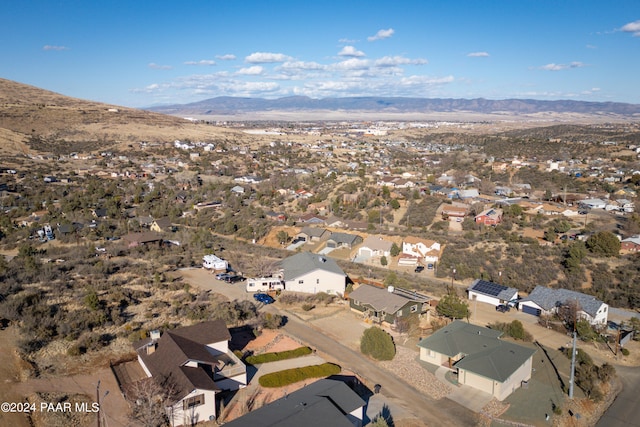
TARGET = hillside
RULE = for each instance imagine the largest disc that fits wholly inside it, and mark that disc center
(27, 113)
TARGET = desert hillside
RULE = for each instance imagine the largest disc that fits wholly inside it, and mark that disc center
(28, 113)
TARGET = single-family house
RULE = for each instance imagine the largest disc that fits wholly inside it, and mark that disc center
(375, 246)
(630, 244)
(491, 293)
(547, 301)
(311, 218)
(139, 239)
(276, 216)
(322, 403)
(427, 251)
(162, 225)
(388, 306)
(343, 240)
(593, 203)
(195, 362)
(479, 357)
(491, 216)
(313, 234)
(237, 190)
(470, 193)
(455, 211)
(99, 213)
(311, 273)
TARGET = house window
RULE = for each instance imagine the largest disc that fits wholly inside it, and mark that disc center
(399, 314)
(317, 281)
(300, 282)
(193, 401)
(414, 308)
(356, 302)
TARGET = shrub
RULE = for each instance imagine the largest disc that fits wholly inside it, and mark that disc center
(279, 355)
(625, 351)
(378, 344)
(290, 376)
(308, 306)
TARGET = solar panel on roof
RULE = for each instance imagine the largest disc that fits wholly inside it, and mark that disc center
(489, 288)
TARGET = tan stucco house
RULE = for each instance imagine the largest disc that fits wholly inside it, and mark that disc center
(479, 357)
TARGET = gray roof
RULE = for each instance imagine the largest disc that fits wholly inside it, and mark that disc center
(313, 231)
(305, 262)
(347, 238)
(322, 403)
(548, 299)
(492, 289)
(383, 300)
(483, 352)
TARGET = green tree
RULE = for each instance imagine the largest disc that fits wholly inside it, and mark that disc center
(383, 261)
(378, 344)
(550, 235)
(604, 243)
(282, 236)
(453, 307)
(395, 204)
(395, 250)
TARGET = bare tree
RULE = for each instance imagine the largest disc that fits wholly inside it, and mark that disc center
(148, 399)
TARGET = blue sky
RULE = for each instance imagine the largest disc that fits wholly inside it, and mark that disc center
(142, 53)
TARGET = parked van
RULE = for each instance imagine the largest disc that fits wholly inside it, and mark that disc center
(263, 284)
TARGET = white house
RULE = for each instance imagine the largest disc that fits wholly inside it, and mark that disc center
(311, 273)
(427, 251)
(196, 363)
(491, 293)
(546, 301)
(375, 246)
(479, 357)
(212, 262)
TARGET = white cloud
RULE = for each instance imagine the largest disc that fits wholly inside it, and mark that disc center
(381, 34)
(350, 64)
(251, 71)
(590, 46)
(425, 80)
(159, 67)
(392, 61)
(266, 57)
(51, 47)
(478, 54)
(347, 41)
(302, 65)
(201, 62)
(226, 57)
(632, 27)
(559, 67)
(351, 51)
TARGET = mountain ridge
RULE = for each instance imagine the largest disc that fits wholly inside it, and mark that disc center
(234, 105)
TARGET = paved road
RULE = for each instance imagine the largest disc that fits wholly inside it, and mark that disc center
(441, 412)
(624, 410)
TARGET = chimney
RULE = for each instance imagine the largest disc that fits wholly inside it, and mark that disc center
(154, 335)
(390, 289)
(151, 348)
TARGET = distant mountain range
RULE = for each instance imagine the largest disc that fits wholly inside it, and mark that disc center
(232, 106)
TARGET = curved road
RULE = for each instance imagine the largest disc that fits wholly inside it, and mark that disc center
(624, 410)
(443, 412)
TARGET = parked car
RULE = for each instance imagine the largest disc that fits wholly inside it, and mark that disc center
(429, 266)
(419, 268)
(233, 279)
(503, 308)
(263, 298)
(223, 276)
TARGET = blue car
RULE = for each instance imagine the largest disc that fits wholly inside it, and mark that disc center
(263, 298)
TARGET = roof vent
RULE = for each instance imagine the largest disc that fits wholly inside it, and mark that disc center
(478, 332)
(390, 289)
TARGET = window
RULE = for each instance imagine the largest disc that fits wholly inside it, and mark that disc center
(356, 302)
(193, 401)
(300, 282)
(414, 308)
(317, 281)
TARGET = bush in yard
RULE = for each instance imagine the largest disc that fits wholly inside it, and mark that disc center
(378, 344)
(279, 355)
(290, 376)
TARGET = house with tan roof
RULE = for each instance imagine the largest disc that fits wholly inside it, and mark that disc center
(195, 363)
(421, 250)
(375, 246)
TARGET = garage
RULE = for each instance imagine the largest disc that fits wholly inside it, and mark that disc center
(531, 310)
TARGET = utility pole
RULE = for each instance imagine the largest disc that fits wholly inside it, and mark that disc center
(98, 400)
(573, 366)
